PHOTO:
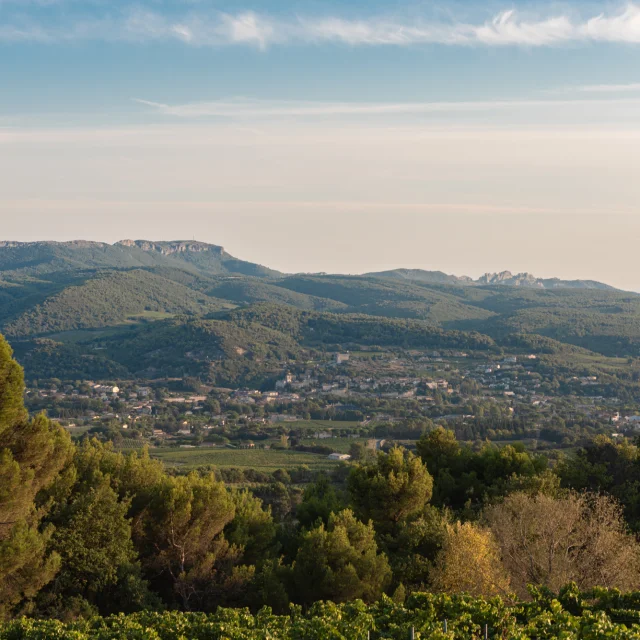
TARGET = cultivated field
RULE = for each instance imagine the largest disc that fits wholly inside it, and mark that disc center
(259, 459)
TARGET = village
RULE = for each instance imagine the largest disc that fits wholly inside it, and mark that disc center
(376, 397)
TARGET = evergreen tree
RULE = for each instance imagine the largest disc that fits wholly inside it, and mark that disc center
(252, 529)
(340, 562)
(395, 488)
(186, 549)
(319, 501)
(32, 453)
(99, 570)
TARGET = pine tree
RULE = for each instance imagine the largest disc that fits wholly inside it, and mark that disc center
(340, 562)
(32, 453)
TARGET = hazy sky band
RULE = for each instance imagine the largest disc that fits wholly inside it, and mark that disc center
(316, 135)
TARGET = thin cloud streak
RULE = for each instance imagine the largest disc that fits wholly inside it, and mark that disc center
(275, 109)
(608, 88)
(248, 28)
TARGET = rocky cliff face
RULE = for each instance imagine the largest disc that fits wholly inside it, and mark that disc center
(502, 278)
(169, 248)
(508, 278)
(529, 280)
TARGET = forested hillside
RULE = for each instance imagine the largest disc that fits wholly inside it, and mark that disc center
(110, 299)
(82, 295)
(245, 346)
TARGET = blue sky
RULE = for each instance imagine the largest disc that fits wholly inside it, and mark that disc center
(71, 60)
(244, 121)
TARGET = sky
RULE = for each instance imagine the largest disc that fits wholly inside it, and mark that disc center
(318, 135)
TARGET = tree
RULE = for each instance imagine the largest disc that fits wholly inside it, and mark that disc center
(186, 548)
(319, 501)
(606, 466)
(32, 453)
(469, 562)
(282, 475)
(99, 563)
(360, 453)
(391, 490)
(414, 546)
(340, 562)
(463, 476)
(252, 529)
(552, 541)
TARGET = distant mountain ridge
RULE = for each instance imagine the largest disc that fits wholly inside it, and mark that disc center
(503, 278)
(43, 257)
(37, 258)
(61, 300)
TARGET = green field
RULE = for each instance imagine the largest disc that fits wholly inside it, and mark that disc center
(259, 459)
(341, 445)
(76, 432)
(322, 425)
(129, 444)
(76, 336)
(605, 364)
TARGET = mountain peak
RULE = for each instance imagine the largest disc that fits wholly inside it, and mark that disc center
(501, 278)
(506, 277)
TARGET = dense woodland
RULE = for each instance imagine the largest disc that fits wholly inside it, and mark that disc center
(86, 530)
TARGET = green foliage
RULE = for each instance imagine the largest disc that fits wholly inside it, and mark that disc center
(59, 287)
(465, 477)
(319, 501)
(390, 491)
(254, 290)
(32, 453)
(329, 328)
(47, 259)
(98, 559)
(251, 529)
(548, 617)
(606, 466)
(340, 562)
(183, 528)
(47, 358)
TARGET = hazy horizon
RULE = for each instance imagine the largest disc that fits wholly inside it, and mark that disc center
(473, 272)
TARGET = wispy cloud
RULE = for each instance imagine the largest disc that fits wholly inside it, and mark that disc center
(506, 28)
(608, 88)
(243, 108)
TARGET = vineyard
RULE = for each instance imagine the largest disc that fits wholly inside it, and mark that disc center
(260, 459)
(569, 615)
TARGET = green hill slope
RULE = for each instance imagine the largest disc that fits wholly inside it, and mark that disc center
(313, 328)
(381, 297)
(49, 287)
(110, 299)
(252, 290)
(604, 321)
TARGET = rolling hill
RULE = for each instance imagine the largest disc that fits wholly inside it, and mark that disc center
(139, 306)
(110, 299)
